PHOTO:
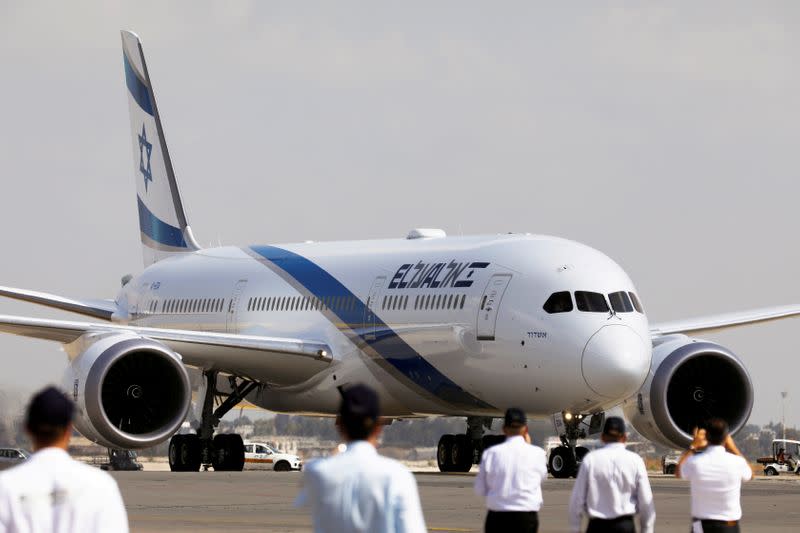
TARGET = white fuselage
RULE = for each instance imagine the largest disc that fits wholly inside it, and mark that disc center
(439, 326)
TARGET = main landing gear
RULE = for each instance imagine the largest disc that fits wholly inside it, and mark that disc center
(565, 460)
(457, 453)
(225, 452)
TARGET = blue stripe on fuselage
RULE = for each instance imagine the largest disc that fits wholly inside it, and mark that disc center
(385, 342)
(137, 88)
(158, 230)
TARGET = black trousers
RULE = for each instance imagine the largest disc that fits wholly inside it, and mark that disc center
(622, 524)
(718, 526)
(512, 522)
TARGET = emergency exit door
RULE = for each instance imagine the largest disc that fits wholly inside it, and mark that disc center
(489, 305)
(232, 317)
(370, 318)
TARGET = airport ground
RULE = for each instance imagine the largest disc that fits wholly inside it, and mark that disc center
(262, 501)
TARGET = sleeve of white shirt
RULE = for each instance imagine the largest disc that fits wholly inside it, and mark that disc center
(747, 472)
(408, 511)
(113, 516)
(644, 499)
(577, 502)
(687, 468)
(543, 465)
(5, 511)
(481, 489)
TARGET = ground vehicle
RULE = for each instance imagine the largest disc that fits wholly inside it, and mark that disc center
(785, 458)
(668, 463)
(121, 460)
(12, 456)
(259, 453)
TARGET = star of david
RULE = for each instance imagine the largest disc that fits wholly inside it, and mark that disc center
(147, 147)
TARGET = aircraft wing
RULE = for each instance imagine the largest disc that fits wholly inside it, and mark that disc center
(724, 321)
(287, 361)
(102, 309)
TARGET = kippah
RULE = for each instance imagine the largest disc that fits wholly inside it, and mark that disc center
(361, 401)
(615, 426)
(49, 407)
(515, 417)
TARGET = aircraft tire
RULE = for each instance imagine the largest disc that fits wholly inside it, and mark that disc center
(461, 454)
(228, 453)
(184, 453)
(444, 453)
(561, 464)
(580, 453)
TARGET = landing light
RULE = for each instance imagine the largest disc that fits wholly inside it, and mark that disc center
(567, 416)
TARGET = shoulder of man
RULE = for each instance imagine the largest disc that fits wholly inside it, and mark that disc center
(536, 450)
(392, 466)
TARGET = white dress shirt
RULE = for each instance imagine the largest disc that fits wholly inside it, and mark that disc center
(612, 482)
(360, 491)
(510, 476)
(716, 480)
(51, 492)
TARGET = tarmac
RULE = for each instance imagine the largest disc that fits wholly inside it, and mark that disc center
(263, 501)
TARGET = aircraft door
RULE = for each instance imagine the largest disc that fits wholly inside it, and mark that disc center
(232, 316)
(489, 305)
(370, 318)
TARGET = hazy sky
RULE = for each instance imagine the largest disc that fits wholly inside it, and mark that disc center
(665, 135)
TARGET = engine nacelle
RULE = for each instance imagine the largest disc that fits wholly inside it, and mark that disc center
(689, 382)
(130, 392)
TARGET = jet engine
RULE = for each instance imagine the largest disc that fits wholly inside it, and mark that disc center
(689, 382)
(130, 392)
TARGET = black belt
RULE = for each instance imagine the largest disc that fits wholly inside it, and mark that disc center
(716, 522)
(616, 520)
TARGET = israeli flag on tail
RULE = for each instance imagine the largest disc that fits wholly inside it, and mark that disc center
(162, 220)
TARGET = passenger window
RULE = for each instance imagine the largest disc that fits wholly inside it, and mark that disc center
(463, 299)
(559, 302)
(636, 303)
(591, 302)
(620, 302)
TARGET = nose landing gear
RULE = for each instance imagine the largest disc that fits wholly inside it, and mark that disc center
(225, 452)
(565, 460)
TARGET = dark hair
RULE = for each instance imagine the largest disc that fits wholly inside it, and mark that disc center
(716, 431)
(46, 435)
(359, 412)
(357, 427)
(49, 416)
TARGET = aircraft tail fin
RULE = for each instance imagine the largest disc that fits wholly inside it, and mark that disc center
(162, 220)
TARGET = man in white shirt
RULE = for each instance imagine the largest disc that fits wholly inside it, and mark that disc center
(715, 469)
(357, 490)
(51, 492)
(612, 486)
(510, 478)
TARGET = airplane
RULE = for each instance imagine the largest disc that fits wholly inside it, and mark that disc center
(439, 326)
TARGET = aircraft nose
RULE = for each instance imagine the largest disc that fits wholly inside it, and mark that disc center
(616, 361)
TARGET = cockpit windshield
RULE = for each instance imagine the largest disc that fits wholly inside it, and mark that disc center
(559, 302)
(591, 302)
(636, 303)
(620, 302)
